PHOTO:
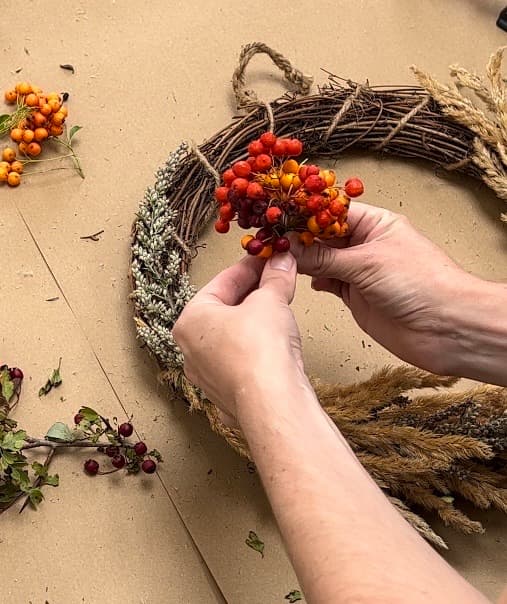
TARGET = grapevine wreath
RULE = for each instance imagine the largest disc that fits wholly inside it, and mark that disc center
(429, 451)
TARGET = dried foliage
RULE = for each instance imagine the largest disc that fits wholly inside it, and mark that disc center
(426, 450)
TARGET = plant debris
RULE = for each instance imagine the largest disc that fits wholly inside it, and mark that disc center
(53, 382)
(255, 543)
(68, 67)
(94, 236)
(294, 596)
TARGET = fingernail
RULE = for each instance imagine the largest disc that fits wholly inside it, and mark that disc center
(282, 262)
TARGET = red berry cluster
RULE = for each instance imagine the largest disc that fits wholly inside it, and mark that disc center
(123, 454)
(276, 194)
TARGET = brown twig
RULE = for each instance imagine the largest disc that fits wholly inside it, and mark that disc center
(93, 236)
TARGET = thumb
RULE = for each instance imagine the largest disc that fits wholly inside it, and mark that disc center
(321, 260)
(279, 275)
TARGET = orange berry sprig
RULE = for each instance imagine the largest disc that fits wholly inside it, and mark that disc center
(37, 117)
(274, 193)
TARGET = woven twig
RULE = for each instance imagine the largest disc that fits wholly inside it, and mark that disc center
(424, 450)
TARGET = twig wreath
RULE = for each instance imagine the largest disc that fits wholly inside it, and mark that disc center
(427, 451)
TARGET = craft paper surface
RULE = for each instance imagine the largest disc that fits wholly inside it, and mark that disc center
(146, 77)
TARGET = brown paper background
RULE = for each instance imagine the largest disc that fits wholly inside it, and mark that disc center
(147, 76)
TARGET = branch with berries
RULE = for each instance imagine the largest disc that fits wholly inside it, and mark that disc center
(37, 118)
(275, 193)
(23, 478)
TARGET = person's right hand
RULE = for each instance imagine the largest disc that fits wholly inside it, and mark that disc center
(399, 286)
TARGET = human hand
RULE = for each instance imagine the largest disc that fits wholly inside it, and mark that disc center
(399, 286)
(239, 329)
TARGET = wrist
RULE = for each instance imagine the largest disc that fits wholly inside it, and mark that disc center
(476, 341)
(273, 394)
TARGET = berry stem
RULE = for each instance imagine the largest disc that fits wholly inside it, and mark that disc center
(33, 161)
(75, 158)
(34, 443)
(38, 482)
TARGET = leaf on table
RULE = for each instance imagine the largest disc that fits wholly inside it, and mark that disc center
(68, 67)
(13, 441)
(52, 480)
(53, 382)
(89, 414)
(60, 432)
(294, 596)
(6, 384)
(73, 131)
(156, 454)
(35, 495)
(255, 543)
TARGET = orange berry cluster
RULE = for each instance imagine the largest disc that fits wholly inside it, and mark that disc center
(46, 118)
(271, 191)
(10, 168)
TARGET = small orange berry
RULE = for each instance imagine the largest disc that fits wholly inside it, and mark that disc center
(290, 166)
(286, 181)
(23, 124)
(23, 147)
(17, 135)
(40, 134)
(36, 89)
(17, 166)
(4, 174)
(13, 179)
(28, 136)
(33, 149)
(246, 240)
(53, 95)
(267, 252)
(64, 111)
(45, 109)
(23, 88)
(54, 104)
(6, 165)
(55, 130)
(306, 238)
(58, 118)
(31, 100)
(39, 120)
(10, 96)
(8, 154)
(312, 225)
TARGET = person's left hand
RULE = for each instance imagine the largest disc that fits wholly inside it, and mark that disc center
(239, 328)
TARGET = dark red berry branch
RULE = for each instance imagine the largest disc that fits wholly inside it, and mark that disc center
(21, 477)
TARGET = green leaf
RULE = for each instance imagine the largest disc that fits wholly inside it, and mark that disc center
(53, 382)
(89, 414)
(13, 441)
(294, 596)
(35, 496)
(73, 131)
(46, 389)
(39, 469)
(156, 454)
(56, 378)
(21, 478)
(52, 481)
(4, 118)
(255, 543)
(60, 432)
(6, 384)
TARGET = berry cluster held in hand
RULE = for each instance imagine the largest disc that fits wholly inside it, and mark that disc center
(276, 194)
(37, 118)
